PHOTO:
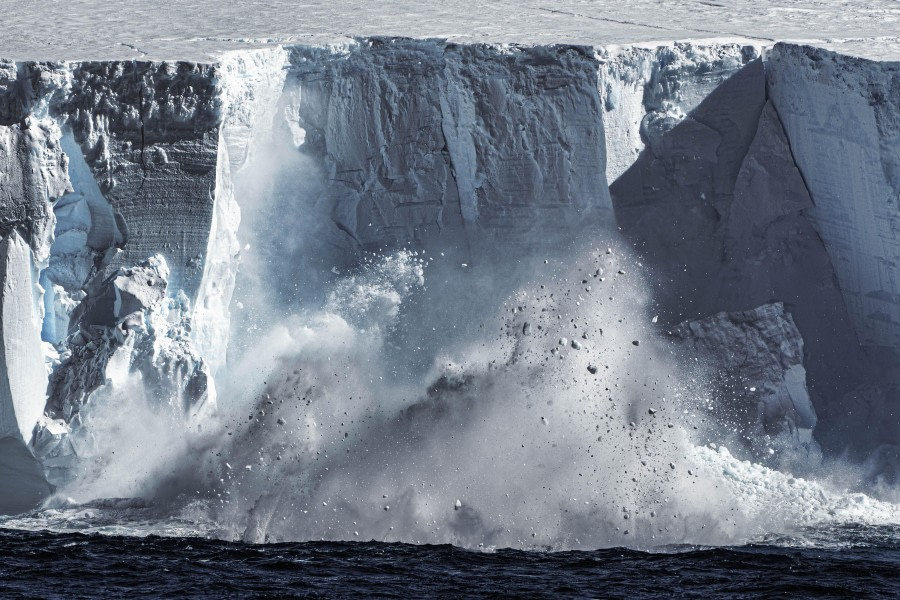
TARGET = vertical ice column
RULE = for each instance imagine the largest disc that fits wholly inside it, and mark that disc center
(33, 171)
(250, 85)
(23, 380)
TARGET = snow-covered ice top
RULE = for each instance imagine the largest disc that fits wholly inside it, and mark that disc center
(202, 29)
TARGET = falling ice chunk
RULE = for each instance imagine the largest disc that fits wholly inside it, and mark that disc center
(458, 505)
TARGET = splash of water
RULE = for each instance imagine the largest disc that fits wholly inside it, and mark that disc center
(563, 423)
(559, 418)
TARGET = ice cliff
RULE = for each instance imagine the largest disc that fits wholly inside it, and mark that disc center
(416, 138)
(743, 176)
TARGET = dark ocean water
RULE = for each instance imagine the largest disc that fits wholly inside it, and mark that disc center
(862, 562)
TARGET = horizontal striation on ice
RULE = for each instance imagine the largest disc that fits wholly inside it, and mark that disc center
(149, 132)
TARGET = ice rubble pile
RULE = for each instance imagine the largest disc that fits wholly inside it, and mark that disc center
(742, 174)
(125, 322)
(758, 359)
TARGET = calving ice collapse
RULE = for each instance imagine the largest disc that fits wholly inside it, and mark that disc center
(500, 293)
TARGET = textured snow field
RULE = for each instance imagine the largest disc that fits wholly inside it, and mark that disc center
(202, 29)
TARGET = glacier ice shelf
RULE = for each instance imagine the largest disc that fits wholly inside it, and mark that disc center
(744, 172)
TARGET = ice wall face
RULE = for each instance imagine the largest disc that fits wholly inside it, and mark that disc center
(416, 138)
(33, 165)
(646, 91)
(32, 174)
(716, 202)
(149, 133)
(114, 142)
(249, 85)
(22, 381)
(672, 199)
(842, 116)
